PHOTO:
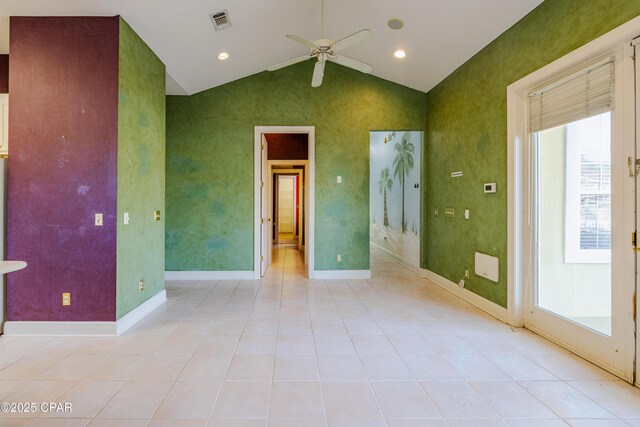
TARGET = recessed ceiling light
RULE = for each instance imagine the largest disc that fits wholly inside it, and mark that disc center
(395, 23)
(222, 56)
(400, 54)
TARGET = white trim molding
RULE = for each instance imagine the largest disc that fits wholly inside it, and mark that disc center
(340, 274)
(310, 173)
(64, 329)
(208, 275)
(92, 329)
(483, 304)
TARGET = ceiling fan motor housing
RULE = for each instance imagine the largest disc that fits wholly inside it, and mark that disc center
(326, 43)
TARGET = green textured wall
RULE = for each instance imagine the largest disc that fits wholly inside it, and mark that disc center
(467, 130)
(141, 171)
(210, 161)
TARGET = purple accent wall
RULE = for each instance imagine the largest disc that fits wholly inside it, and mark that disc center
(62, 167)
(4, 73)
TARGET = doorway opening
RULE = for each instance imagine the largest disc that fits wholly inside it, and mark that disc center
(285, 218)
(284, 193)
(287, 203)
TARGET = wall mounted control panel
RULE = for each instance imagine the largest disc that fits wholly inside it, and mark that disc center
(490, 187)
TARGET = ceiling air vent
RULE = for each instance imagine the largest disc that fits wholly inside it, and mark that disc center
(220, 20)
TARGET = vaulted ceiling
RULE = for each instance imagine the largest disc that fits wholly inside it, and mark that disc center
(438, 35)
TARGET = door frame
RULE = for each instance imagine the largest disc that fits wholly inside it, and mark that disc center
(302, 178)
(309, 194)
(518, 263)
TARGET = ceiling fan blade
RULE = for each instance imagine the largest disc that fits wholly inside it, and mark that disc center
(318, 73)
(353, 63)
(289, 62)
(303, 41)
(352, 39)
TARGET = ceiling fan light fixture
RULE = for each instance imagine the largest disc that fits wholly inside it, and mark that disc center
(325, 50)
(400, 54)
(395, 23)
(222, 56)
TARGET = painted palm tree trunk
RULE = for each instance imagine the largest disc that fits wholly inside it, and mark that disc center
(403, 164)
(385, 184)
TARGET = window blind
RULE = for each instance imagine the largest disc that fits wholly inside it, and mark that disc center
(583, 94)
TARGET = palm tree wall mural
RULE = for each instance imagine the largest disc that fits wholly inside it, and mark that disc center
(386, 182)
(402, 165)
(394, 193)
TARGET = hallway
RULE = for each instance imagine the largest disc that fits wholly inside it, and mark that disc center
(285, 351)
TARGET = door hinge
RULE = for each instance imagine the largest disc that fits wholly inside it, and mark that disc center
(635, 305)
(261, 258)
(634, 170)
(261, 220)
(262, 146)
(261, 183)
(634, 242)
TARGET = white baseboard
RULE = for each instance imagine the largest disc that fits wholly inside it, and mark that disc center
(62, 329)
(384, 251)
(209, 275)
(340, 274)
(140, 312)
(44, 328)
(483, 304)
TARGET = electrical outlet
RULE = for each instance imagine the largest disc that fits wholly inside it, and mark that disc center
(66, 298)
(156, 216)
(141, 285)
(98, 220)
(466, 273)
(339, 258)
(461, 283)
(339, 179)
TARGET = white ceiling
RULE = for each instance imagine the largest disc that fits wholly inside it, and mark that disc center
(439, 35)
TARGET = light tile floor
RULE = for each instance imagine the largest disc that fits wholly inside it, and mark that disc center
(394, 351)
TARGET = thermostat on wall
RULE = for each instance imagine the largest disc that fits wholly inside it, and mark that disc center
(490, 187)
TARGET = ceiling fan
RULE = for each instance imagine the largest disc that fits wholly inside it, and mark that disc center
(325, 49)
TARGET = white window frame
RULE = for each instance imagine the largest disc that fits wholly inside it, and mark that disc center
(573, 254)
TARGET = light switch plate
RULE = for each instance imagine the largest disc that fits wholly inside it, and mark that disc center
(126, 218)
(339, 179)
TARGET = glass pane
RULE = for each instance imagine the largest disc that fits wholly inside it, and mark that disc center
(574, 221)
(595, 221)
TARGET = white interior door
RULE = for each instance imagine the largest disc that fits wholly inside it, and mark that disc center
(4, 123)
(265, 220)
(286, 190)
(579, 228)
(636, 134)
